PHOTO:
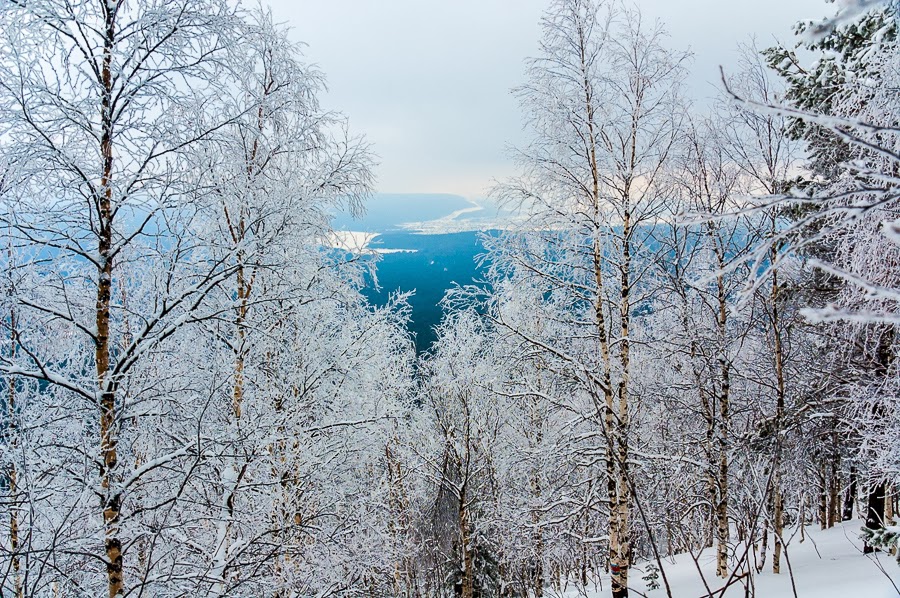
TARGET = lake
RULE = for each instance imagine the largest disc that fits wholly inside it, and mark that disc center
(428, 264)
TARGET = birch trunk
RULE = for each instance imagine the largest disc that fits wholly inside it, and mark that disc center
(609, 416)
(763, 546)
(778, 507)
(777, 523)
(231, 475)
(537, 577)
(107, 392)
(722, 536)
(711, 477)
(468, 580)
(583, 569)
(245, 276)
(394, 520)
(613, 129)
(398, 525)
(18, 589)
(622, 554)
(536, 491)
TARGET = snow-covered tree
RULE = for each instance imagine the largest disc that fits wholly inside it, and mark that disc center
(199, 396)
(846, 218)
(99, 102)
(602, 101)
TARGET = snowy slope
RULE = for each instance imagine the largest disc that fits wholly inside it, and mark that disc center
(828, 564)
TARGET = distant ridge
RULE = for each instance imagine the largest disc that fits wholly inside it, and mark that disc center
(387, 212)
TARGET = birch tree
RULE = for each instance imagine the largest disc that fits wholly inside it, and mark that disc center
(603, 104)
(704, 263)
(272, 177)
(761, 146)
(98, 103)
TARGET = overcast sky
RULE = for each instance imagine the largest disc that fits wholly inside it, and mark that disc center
(428, 81)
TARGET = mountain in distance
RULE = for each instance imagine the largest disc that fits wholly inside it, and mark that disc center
(386, 212)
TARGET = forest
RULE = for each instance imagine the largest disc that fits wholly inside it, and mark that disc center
(686, 345)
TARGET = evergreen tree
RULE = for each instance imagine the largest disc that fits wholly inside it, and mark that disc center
(840, 57)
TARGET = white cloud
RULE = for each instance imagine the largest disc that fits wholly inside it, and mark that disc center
(428, 80)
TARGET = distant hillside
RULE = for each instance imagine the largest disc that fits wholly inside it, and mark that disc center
(387, 211)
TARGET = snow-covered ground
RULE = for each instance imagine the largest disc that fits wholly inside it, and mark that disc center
(349, 240)
(828, 564)
(359, 242)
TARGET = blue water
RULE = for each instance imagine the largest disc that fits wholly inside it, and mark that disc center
(439, 263)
